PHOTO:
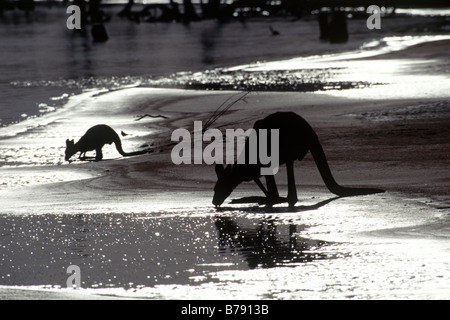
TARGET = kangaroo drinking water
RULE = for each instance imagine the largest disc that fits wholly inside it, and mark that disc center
(296, 138)
(94, 139)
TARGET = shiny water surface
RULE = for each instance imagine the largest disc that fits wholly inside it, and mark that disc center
(366, 248)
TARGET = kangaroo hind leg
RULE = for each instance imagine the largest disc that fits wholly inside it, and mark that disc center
(292, 190)
(98, 154)
(272, 192)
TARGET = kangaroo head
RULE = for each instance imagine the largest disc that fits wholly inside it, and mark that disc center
(226, 183)
(70, 149)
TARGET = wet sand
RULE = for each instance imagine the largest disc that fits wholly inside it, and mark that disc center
(142, 227)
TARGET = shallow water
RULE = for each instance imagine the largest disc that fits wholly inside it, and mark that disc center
(369, 247)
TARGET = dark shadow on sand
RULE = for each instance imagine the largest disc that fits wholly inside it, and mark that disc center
(268, 209)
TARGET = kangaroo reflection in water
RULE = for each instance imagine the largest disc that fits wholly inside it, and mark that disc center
(264, 247)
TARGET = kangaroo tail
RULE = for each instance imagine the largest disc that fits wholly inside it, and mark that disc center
(330, 182)
(119, 148)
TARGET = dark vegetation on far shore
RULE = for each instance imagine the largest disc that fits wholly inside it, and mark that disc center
(185, 11)
(331, 15)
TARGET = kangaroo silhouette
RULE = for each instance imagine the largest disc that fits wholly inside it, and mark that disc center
(296, 138)
(273, 31)
(94, 139)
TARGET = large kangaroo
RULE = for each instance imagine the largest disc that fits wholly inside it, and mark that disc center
(94, 139)
(296, 138)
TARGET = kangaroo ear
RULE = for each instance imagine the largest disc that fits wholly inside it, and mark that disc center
(67, 142)
(228, 168)
(219, 170)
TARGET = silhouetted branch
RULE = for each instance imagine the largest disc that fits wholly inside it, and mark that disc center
(217, 114)
(140, 117)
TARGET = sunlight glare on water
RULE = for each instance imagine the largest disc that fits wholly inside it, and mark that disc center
(334, 252)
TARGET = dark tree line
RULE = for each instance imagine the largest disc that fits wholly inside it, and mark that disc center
(222, 10)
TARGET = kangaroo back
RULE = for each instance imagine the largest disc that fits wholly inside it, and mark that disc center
(109, 136)
(96, 135)
(295, 134)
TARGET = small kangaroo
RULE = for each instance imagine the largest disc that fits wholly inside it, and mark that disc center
(94, 139)
(273, 31)
(296, 138)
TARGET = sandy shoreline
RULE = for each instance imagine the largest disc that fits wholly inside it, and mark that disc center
(400, 145)
(380, 152)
